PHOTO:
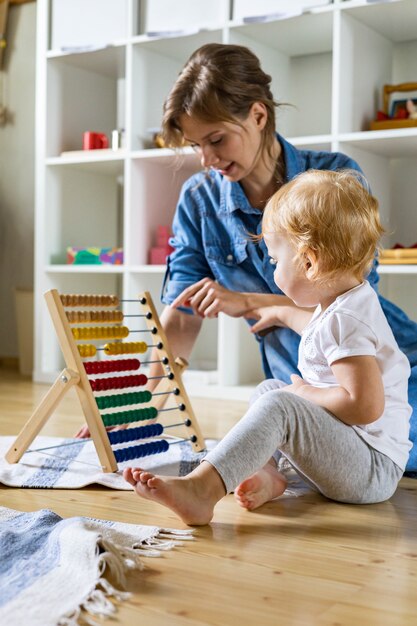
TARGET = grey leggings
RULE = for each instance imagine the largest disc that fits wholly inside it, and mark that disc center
(326, 452)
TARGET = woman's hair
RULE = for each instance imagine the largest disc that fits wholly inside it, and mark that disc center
(332, 214)
(219, 83)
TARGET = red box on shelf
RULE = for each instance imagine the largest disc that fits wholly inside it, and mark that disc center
(158, 254)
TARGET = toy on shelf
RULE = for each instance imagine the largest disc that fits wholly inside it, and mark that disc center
(95, 141)
(403, 112)
(158, 254)
(98, 383)
(94, 256)
(399, 255)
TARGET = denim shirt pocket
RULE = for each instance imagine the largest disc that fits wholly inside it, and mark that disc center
(225, 258)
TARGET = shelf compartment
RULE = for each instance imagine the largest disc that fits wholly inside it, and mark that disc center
(298, 54)
(391, 174)
(83, 208)
(85, 92)
(379, 46)
(157, 185)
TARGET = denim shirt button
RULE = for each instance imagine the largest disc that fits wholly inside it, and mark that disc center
(229, 257)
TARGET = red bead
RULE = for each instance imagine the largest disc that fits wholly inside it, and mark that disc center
(118, 382)
(103, 367)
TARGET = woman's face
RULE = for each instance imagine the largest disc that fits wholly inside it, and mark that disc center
(231, 149)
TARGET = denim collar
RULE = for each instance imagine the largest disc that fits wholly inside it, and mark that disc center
(232, 196)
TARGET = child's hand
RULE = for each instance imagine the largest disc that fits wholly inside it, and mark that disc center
(267, 317)
(297, 385)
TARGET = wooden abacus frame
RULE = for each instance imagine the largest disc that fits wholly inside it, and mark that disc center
(74, 375)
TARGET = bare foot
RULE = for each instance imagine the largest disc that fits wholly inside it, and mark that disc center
(192, 501)
(261, 487)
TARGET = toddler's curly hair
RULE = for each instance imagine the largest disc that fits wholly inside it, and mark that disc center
(331, 213)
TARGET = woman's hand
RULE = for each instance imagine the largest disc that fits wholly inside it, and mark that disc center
(207, 299)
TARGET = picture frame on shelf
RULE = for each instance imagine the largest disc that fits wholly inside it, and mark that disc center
(389, 117)
(399, 108)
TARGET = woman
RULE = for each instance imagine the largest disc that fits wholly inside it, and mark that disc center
(222, 104)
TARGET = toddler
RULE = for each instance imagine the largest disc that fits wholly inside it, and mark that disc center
(343, 424)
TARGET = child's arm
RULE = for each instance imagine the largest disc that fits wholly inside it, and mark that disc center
(288, 315)
(359, 398)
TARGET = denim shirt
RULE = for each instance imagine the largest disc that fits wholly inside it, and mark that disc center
(212, 231)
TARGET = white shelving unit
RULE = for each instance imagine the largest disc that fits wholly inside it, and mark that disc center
(329, 61)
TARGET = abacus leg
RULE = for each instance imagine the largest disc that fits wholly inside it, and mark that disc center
(66, 379)
(191, 497)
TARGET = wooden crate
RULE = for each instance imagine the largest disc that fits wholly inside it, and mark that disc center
(387, 124)
(398, 256)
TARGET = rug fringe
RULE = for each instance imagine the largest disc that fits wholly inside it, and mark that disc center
(166, 539)
(99, 602)
(118, 559)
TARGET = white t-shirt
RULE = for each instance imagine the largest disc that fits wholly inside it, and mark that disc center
(355, 325)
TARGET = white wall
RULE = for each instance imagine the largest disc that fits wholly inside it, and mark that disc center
(17, 83)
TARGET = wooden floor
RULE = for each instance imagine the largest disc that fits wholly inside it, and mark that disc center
(297, 561)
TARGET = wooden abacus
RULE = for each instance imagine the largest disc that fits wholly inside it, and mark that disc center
(88, 309)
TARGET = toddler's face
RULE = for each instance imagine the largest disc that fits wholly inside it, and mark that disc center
(290, 273)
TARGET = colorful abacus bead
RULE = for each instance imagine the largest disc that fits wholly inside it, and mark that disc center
(127, 347)
(100, 332)
(122, 399)
(127, 417)
(87, 350)
(133, 434)
(83, 317)
(73, 300)
(144, 449)
(103, 367)
(118, 382)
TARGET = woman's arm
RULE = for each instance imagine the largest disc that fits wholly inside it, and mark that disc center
(359, 398)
